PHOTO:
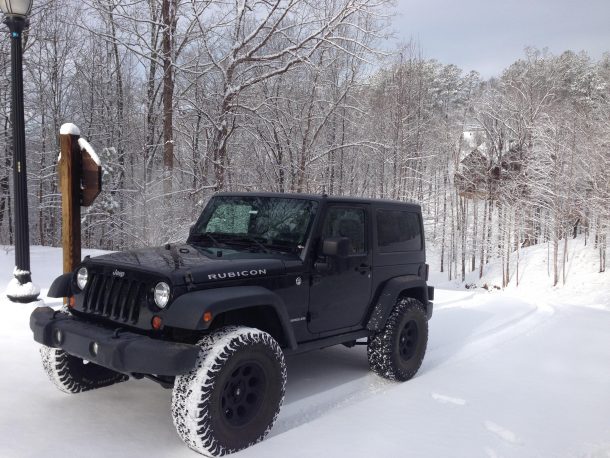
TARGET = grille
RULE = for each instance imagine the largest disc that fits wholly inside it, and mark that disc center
(113, 297)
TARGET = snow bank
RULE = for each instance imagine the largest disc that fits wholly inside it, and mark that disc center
(584, 284)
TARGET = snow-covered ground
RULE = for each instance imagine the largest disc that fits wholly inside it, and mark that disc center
(523, 372)
(583, 285)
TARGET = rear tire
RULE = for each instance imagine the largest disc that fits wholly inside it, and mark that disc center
(232, 397)
(71, 374)
(397, 351)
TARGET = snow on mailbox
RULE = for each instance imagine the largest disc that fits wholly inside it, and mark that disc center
(91, 176)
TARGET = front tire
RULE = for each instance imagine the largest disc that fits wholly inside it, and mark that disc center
(232, 397)
(397, 351)
(71, 374)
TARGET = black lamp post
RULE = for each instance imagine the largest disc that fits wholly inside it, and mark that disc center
(20, 289)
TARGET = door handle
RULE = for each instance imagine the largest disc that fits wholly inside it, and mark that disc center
(363, 268)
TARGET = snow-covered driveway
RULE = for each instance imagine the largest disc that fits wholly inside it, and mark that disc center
(502, 377)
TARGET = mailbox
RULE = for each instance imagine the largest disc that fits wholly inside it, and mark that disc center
(91, 173)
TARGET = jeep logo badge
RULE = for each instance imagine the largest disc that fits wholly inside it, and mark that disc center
(240, 274)
(118, 273)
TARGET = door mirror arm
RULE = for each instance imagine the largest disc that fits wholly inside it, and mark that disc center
(322, 267)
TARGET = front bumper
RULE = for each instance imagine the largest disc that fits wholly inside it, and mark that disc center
(124, 352)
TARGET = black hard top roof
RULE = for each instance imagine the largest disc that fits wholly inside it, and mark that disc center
(324, 197)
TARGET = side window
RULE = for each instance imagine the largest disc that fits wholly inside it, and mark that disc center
(347, 222)
(398, 231)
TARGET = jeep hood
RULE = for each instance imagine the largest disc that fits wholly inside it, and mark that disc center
(181, 261)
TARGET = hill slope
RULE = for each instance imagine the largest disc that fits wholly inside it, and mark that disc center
(584, 284)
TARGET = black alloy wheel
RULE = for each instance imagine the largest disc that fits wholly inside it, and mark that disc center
(407, 344)
(243, 394)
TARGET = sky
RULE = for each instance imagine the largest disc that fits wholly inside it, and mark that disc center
(488, 35)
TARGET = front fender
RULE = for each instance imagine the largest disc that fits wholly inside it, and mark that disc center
(61, 286)
(389, 295)
(187, 310)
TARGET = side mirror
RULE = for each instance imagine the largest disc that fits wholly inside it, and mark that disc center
(336, 247)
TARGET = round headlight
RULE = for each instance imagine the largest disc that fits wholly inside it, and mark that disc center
(81, 277)
(161, 294)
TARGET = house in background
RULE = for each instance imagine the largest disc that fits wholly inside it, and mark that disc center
(482, 172)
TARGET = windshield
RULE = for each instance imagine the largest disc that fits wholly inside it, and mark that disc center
(265, 224)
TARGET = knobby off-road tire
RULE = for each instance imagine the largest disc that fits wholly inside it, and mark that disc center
(397, 351)
(232, 397)
(73, 375)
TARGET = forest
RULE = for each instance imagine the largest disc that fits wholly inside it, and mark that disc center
(182, 99)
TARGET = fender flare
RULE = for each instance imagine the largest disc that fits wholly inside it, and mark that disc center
(61, 286)
(389, 294)
(187, 310)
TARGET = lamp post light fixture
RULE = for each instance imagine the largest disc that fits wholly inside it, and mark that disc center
(17, 8)
(21, 288)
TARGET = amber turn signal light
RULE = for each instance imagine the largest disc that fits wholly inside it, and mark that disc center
(157, 322)
(207, 317)
(71, 302)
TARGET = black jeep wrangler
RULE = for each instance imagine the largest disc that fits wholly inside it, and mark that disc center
(260, 276)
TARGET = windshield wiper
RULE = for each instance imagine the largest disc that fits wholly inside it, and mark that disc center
(228, 238)
(202, 235)
(249, 238)
(285, 246)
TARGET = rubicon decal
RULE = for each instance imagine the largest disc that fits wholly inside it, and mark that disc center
(239, 274)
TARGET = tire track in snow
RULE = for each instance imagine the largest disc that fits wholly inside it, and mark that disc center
(489, 339)
(310, 408)
(313, 407)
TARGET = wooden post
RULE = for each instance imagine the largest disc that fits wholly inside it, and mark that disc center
(70, 169)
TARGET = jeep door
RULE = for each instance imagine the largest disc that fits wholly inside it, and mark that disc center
(341, 287)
